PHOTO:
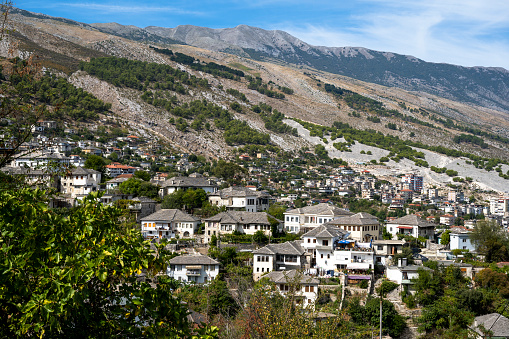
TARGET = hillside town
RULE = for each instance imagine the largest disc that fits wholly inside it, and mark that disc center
(295, 220)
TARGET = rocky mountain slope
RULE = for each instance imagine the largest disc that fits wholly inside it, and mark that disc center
(421, 117)
(488, 87)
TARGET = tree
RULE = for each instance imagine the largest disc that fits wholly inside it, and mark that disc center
(260, 238)
(229, 171)
(96, 162)
(75, 276)
(190, 199)
(143, 175)
(392, 322)
(490, 241)
(446, 238)
(277, 211)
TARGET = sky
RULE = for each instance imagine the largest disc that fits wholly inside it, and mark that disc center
(461, 32)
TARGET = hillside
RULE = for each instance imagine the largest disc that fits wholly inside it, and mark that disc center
(209, 101)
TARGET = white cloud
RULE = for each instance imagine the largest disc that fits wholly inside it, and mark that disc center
(466, 32)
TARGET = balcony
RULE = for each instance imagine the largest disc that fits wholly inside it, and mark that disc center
(193, 273)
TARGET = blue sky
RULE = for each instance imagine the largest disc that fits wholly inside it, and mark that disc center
(462, 32)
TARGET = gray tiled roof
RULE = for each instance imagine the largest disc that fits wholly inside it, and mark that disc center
(412, 220)
(360, 219)
(289, 247)
(282, 277)
(187, 182)
(326, 231)
(239, 191)
(241, 217)
(193, 260)
(83, 171)
(496, 323)
(170, 215)
(321, 209)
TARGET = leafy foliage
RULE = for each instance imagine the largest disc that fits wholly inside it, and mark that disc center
(76, 276)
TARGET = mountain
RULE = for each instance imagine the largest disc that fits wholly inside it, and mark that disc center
(202, 100)
(488, 87)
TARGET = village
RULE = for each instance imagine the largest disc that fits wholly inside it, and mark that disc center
(312, 234)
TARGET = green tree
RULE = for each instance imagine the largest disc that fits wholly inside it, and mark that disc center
(75, 276)
(143, 175)
(392, 322)
(96, 162)
(446, 238)
(277, 211)
(491, 241)
(260, 238)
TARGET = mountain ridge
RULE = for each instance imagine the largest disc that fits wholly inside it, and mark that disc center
(485, 86)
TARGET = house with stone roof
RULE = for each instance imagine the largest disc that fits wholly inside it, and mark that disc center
(240, 198)
(183, 183)
(169, 223)
(306, 218)
(239, 221)
(362, 226)
(79, 182)
(289, 255)
(496, 323)
(331, 249)
(305, 288)
(411, 225)
(193, 268)
(319, 243)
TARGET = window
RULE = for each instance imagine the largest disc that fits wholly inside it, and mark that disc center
(325, 242)
(311, 288)
(314, 241)
(306, 289)
(309, 240)
(379, 247)
(321, 256)
(258, 269)
(309, 301)
(464, 240)
(328, 256)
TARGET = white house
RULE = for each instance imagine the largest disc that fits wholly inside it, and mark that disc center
(331, 250)
(184, 183)
(460, 239)
(240, 198)
(115, 169)
(386, 248)
(79, 182)
(306, 291)
(193, 268)
(278, 257)
(239, 221)
(40, 159)
(168, 223)
(309, 217)
(411, 225)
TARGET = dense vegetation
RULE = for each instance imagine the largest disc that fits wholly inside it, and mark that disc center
(68, 101)
(472, 139)
(157, 81)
